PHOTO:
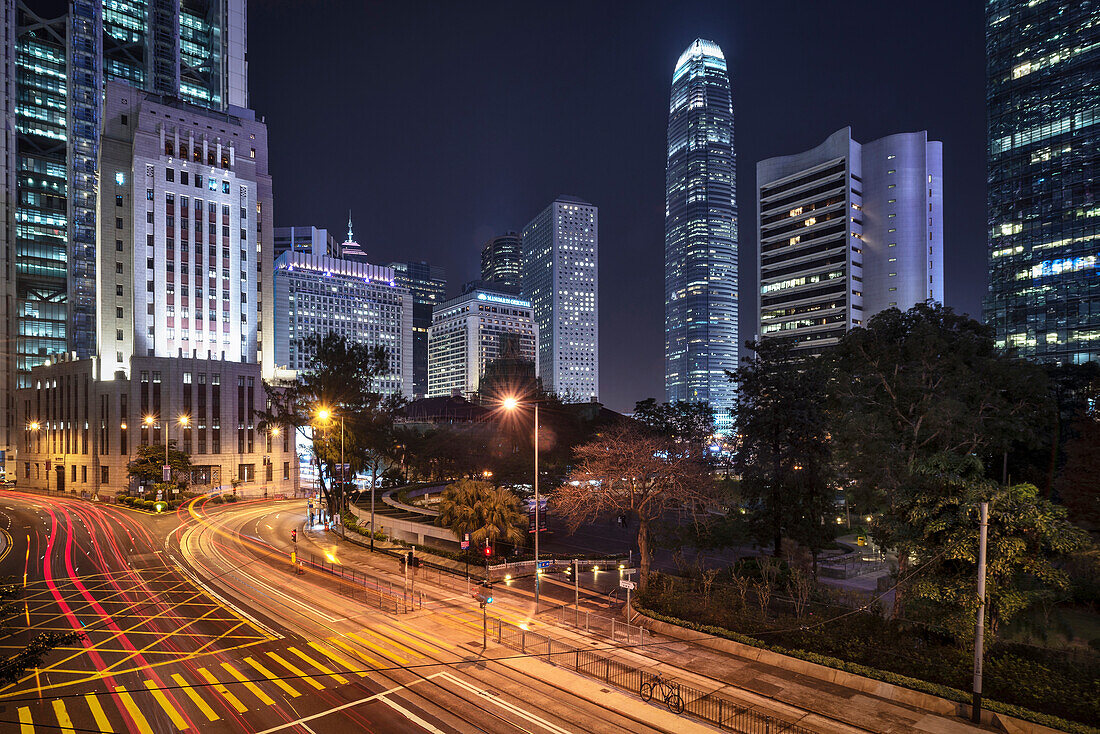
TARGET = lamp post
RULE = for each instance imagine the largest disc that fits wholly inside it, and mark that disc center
(34, 426)
(325, 415)
(511, 403)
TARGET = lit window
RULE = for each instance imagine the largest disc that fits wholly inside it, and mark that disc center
(120, 178)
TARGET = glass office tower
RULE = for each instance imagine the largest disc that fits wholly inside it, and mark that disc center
(701, 234)
(1042, 66)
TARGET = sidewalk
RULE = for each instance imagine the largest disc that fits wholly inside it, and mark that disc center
(766, 688)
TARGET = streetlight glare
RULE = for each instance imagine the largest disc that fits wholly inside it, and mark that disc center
(149, 420)
(510, 403)
(185, 420)
(33, 425)
(324, 414)
(275, 431)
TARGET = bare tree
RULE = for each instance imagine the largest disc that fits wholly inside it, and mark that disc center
(633, 472)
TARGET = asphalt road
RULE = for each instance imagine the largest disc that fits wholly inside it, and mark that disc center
(196, 622)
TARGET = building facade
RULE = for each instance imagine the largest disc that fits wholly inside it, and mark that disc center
(1043, 105)
(428, 286)
(52, 74)
(308, 240)
(184, 327)
(560, 279)
(701, 307)
(502, 262)
(470, 332)
(317, 295)
(845, 231)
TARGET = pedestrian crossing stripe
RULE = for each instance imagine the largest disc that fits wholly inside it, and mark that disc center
(295, 670)
(348, 648)
(63, 720)
(411, 640)
(348, 667)
(132, 709)
(26, 726)
(334, 675)
(98, 714)
(233, 700)
(165, 704)
(381, 650)
(252, 687)
(195, 698)
(259, 668)
(388, 641)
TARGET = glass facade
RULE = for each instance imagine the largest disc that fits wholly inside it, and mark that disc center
(502, 261)
(1043, 62)
(428, 286)
(701, 233)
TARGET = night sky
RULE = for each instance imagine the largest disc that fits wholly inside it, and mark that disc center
(443, 124)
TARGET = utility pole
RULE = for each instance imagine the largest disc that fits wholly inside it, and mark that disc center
(537, 579)
(979, 628)
(577, 590)
(344, 485)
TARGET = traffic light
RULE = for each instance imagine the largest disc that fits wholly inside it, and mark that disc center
(488, 551)
(483, 597)
(294, 536)
(408, 560)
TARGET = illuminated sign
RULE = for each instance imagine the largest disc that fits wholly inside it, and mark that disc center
(493, 298)
(1067, 265)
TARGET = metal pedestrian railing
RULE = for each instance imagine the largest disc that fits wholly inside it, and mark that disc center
(379, 593)
(618, 631)
(721, 712)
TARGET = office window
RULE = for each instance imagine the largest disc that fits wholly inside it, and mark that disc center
(118, 334)
(118, 245)
(118, 199)
(169, 174)
(118, 312)
(118, 290)
(118, 222)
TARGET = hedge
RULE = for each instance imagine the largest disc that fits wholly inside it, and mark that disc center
(935, 689)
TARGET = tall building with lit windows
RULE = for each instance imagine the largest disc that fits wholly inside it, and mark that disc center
(427, 284)
(1043, 105)
(560, 267)
(846, 231)
(701, 234)
(52, 77)
(502, 262)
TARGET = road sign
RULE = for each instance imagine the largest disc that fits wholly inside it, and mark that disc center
(624, 584)
(545, 564)
(629, 571)
(464, 544)
(166, 472)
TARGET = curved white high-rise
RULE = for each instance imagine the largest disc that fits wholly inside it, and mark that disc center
(701, 233)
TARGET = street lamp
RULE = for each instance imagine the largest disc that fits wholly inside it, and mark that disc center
(34, 426)
(510, 403)
(325, 415)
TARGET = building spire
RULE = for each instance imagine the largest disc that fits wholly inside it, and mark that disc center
(350, 237)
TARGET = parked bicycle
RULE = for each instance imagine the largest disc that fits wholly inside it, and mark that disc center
(667, 689)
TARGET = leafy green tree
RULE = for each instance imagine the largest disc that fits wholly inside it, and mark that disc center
(785, 460)
(33, 653)
(631, 471)
(343, 380)
(1028, 538)
(147, 464)
(919, 384)
(484, 511)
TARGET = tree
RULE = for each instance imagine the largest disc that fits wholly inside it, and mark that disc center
(785, 458)
(633, 472)
(147, 465)
(32, 654)
(487, 513)
(919, 384)
(343, 381)
(1028, 536)
(1078, 485)
(681, 420)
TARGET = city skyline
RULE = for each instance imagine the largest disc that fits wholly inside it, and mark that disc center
(506, 150)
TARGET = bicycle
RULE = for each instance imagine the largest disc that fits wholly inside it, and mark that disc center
(669, 690)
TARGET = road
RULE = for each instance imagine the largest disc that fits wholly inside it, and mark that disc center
(196, 622)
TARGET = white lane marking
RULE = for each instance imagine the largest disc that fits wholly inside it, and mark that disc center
(526, 715)
(411, 716)
(195, 580)
(368, 699)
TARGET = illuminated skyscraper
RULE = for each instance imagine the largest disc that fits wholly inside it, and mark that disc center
(1042, 66)
(502, 262)
(560, 262)
(701, 233)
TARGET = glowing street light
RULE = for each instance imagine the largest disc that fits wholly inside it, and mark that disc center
(510, 403)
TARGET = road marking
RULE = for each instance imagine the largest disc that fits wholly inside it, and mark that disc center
(411, 640)
(165, 704)
(26, 726)
(320, 666)
(272, 677)
(485, 695)
(63, 720)
(368, 699)
(296, 670)
(411, 716)
(252, 687)
(233, 700)
(98, 714)
(244, 615)
(382, 651)
(132, 709)
(370, 661)
(195, 698)
(348, 667)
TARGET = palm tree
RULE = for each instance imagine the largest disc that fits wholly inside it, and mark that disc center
(484, 511)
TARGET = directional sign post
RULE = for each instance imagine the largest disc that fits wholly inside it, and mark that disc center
(628, 585)
(545, 564)
(624, 584)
